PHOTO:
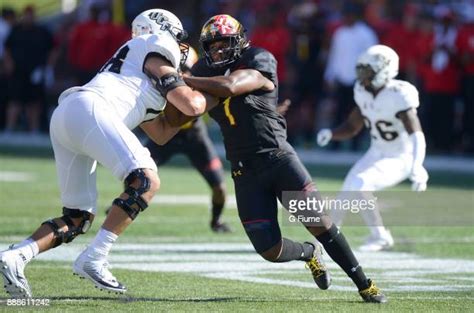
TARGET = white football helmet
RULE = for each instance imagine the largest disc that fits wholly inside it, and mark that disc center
(156, 21)
(377, 65)
(159, 21)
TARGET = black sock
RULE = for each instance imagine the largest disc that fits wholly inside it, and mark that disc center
(295, 251)
(338, 249)
(216, 211)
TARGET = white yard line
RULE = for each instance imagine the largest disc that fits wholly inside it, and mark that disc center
(394, 271)
(199, 199)
(11, 176)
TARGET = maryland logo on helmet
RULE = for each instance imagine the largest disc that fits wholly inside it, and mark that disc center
(223, 27)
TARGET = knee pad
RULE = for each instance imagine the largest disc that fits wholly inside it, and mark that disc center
(135, 203)
(73, 231)
(264, 234)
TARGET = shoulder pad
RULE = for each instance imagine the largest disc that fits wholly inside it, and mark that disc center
(164, 45)
(406, 95)
(261, 60)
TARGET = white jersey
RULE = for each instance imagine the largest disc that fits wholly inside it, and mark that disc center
(387, 131)
(126, 88)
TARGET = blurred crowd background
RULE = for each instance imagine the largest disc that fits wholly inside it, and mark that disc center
(47, 46)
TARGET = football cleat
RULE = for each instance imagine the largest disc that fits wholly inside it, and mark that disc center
(374, 244)
(12, 266)
(321, 275)
(97, 271)
(372, 294)
(219, 227)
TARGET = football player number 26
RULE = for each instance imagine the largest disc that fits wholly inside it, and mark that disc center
(383, 128)
(115, 63)
(227, 112)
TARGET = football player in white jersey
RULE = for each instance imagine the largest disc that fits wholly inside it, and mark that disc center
(93, 123)
(387, 107)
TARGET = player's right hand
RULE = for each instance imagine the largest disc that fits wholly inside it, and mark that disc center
(418, 187)
(324, 136)
(419, 178)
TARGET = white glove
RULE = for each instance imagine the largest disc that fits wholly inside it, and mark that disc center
(324, 136)
(419, 178)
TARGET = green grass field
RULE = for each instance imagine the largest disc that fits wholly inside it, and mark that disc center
(170, 260)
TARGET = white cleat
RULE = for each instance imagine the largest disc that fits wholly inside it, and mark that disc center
(373, 244)
(96, 270)
(12, 267)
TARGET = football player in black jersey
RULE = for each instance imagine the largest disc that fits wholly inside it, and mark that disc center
(193, 141)
(264, 165)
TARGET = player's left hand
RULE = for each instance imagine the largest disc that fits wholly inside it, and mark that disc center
(419, 178)
(324, 137)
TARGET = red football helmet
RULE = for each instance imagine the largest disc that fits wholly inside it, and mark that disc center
(221, 28)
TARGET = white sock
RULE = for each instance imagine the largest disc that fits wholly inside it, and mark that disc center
(378, 231)
(373, 220)
(28, 248)
(102, 242)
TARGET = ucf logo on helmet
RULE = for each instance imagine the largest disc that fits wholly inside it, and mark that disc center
(158, 17)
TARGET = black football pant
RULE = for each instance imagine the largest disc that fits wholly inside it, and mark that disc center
(259, 183)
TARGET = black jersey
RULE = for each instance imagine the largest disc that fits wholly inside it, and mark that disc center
(250, 123)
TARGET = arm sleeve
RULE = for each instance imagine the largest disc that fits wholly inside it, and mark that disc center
(419, 149)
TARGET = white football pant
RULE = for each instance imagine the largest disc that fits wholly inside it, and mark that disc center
(85, 130)
(374, 171)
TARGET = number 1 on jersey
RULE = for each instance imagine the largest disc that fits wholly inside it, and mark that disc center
(227, 112)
